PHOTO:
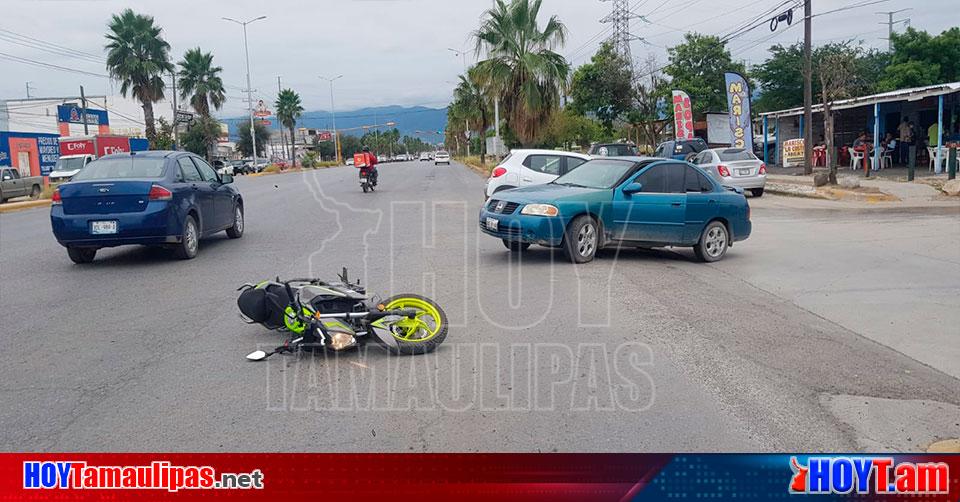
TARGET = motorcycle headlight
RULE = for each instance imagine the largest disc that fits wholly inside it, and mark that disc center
(540, 210)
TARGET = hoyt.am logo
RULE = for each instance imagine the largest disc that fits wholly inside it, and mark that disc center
(876, 475)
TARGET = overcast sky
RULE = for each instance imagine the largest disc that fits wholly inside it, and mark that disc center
(389, 51)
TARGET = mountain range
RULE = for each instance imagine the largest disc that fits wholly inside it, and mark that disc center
(408, 120)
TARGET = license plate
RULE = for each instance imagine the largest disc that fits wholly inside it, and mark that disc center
(103, 227)
(363, 180)
(744, 172)
(492, 224)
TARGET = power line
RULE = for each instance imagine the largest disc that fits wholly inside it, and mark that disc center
(50, 65)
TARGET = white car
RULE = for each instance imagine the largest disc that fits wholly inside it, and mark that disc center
(441, 158)
(735, 167)
(68, 166)
(425, 156)
(531, 167)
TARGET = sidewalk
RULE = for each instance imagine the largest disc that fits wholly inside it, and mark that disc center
(873, 192)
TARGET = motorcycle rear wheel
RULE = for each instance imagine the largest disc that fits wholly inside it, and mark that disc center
(424, 333)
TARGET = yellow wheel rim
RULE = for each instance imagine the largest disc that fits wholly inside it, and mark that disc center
(426, 325)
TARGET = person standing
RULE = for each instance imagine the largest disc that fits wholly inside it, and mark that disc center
(906, 139)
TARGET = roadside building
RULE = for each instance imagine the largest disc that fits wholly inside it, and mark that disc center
(930, 109)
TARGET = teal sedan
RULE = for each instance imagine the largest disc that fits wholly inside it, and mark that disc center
(628, 201)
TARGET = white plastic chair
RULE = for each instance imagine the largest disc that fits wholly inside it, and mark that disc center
(856, 159)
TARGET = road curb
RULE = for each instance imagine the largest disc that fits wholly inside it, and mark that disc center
(10, 207)
(828, 193)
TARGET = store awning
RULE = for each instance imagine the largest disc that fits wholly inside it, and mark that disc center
(911, 94)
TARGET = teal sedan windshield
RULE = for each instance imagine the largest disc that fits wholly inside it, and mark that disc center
(601, 173)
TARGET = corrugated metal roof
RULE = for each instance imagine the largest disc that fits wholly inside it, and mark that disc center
(911, 94)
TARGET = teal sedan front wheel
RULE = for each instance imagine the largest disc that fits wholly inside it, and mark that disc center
(581, 240)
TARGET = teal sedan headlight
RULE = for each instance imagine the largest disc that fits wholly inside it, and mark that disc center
(540, 210)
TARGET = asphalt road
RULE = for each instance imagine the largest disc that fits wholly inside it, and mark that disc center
(637, 351)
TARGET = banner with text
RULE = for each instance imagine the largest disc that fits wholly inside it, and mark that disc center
(682, 115)
(738, 102)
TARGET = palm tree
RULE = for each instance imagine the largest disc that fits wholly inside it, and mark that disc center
(473, 104)
(521, 66)
(200, 80)
(138, 56)
(288, 111)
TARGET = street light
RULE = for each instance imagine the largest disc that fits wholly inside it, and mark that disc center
(333, 111)
(246, 50)
(460, 54)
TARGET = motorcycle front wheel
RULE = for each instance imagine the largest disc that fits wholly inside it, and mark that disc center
(422, 334)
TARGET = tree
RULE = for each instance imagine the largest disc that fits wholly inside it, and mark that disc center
(780, 78)
(138, 56)
(568, 128)
(289, 110)
(202, 136)
(164, 140)
(471, 107)
(243, 143)
(521, 67)
(919, 59)
(697, 66)
(837, 80)
(603, 86)
(649, 106)
(200, 81)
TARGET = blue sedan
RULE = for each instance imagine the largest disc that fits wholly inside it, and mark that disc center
(158, 198)
(634, 201)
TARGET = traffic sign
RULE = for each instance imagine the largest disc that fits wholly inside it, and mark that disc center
(183, 117)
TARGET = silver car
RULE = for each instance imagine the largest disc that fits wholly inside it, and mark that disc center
(734, 167)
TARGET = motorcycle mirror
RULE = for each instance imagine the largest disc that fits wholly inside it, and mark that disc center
(257, 356)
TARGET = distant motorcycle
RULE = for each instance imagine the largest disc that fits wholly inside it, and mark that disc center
(339, 316)
(367, 180)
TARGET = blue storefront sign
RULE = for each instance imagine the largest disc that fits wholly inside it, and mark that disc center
(73, 114)
(738, 102)
(41, 149)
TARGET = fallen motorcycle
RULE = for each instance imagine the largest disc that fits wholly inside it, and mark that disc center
(339, 316)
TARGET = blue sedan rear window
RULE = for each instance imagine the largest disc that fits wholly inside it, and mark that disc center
(122, 167)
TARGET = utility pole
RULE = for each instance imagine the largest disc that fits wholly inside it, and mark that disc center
(807, 92)
(28, 89)
(176, 135)
(283, 137)
(246, 50)
(83, 112)
(333, 113)
(890, 22)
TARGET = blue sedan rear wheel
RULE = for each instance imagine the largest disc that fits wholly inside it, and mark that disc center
(714, 242)
(189, 241)
(581, 240)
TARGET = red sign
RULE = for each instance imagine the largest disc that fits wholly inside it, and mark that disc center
(107, 145)
(77, 147)
(262, 113)
(682, 116)
(324, 136)
(264, 122)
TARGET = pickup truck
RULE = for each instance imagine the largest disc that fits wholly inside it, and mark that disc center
(12, 185)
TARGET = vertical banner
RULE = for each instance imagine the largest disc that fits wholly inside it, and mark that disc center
(738, 102)
(682, 115)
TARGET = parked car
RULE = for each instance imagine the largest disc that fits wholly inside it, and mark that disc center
(613, 150)
(681, 149)
(629, 201)
(441, 158)
(68, 166)
(157, 198)
(531, 167)
(225, 168)
(734, 167)
(12, 185)
(349, 161)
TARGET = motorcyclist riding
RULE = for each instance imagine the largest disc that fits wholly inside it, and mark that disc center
(370, 165)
